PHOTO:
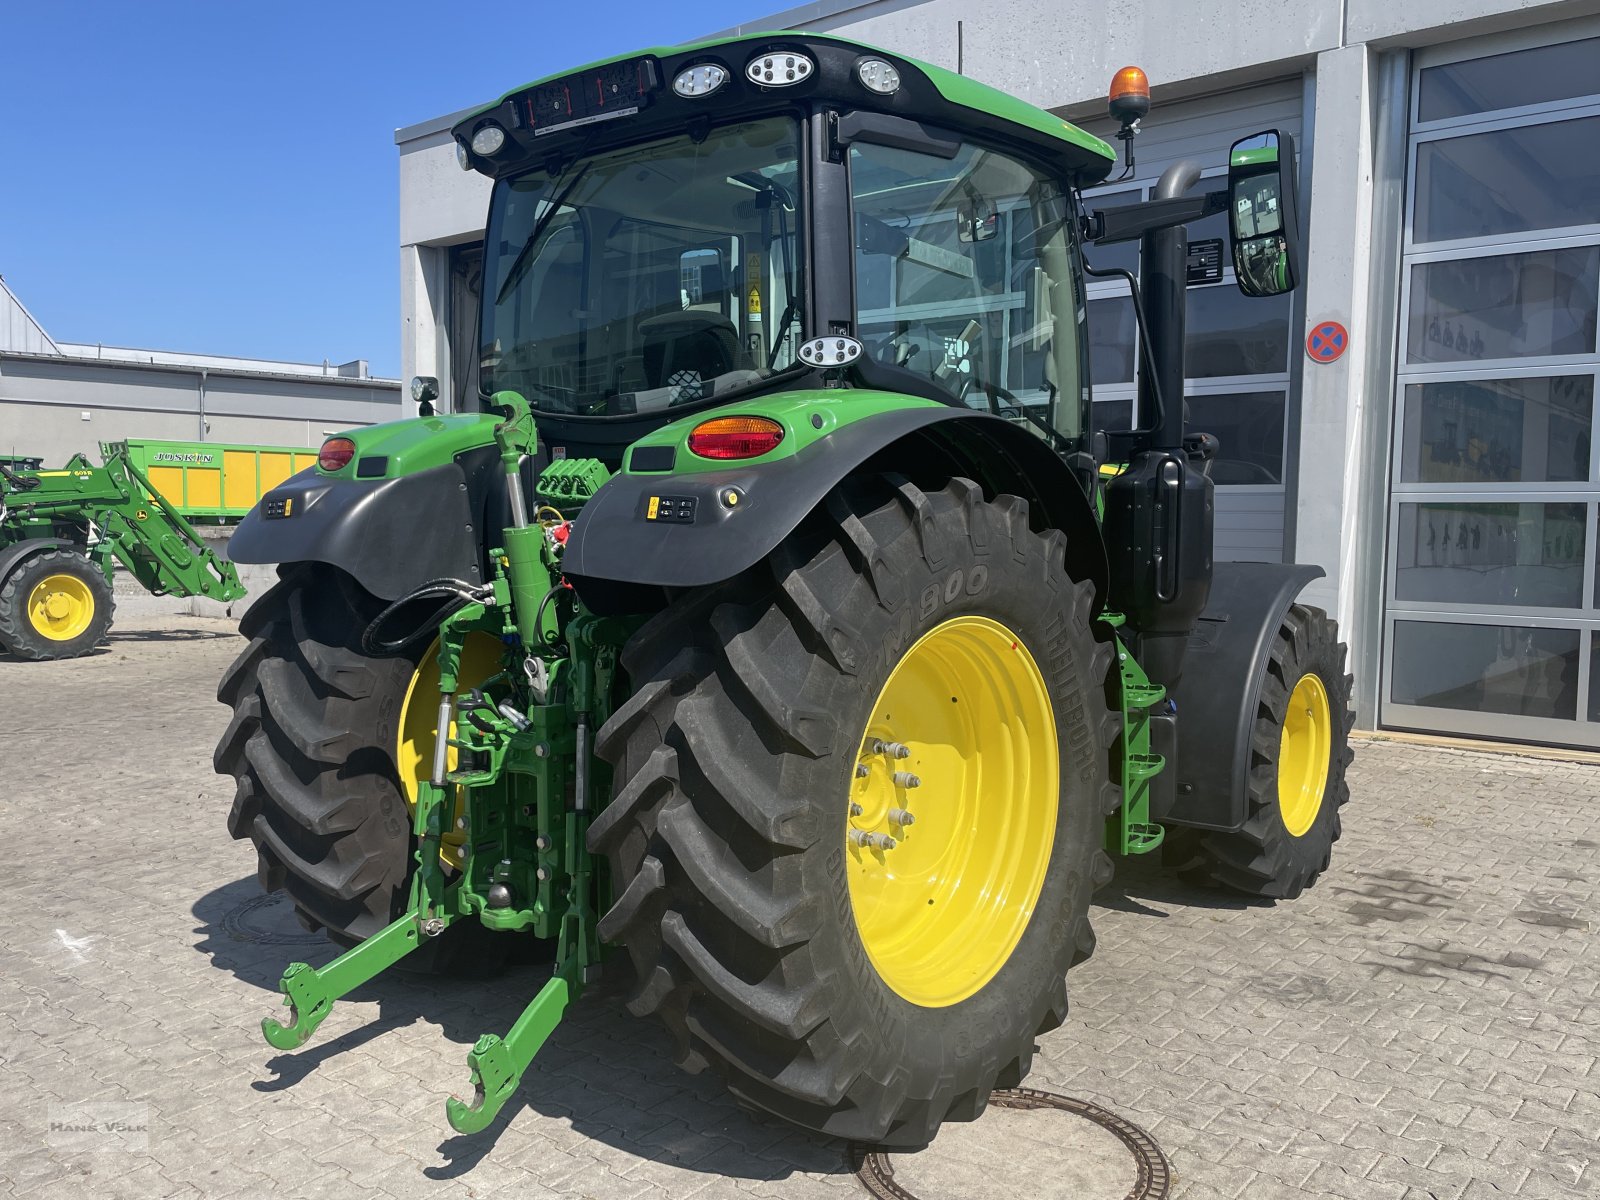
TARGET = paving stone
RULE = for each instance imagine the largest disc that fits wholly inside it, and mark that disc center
(1422, 1025)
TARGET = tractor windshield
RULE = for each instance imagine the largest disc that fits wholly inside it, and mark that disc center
(649, 277)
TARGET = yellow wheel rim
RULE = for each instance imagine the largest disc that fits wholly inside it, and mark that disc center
(60, 607)
(962, 738)
(419, 715)
(1304, 751)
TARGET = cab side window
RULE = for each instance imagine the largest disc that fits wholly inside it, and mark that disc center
(964, 277)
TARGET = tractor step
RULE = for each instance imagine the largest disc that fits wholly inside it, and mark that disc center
(1143, 695)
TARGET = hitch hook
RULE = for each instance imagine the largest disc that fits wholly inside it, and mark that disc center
(308, 1000)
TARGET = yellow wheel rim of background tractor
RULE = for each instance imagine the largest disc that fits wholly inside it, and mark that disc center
(941, 912)
(1304, 752)
(60, 607)
(419, 714)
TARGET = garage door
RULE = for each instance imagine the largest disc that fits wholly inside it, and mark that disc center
(1493, 609)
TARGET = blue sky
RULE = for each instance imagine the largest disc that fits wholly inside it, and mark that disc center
(221, 177)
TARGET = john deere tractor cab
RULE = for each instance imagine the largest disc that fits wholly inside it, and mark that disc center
(772, 626)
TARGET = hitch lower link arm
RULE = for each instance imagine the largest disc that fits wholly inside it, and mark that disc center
(309, 992)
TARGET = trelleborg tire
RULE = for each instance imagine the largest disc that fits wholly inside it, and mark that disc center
(56, 604)
(312, 746)
(813, 972)
(1299, 752)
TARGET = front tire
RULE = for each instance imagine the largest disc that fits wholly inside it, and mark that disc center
(56, 604)
(1299, 751)
(739, 897)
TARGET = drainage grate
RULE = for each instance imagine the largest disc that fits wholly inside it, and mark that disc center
(1152, 1173)
(268, 921)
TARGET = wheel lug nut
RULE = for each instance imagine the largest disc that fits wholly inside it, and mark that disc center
(855, 809)
(906, 779)
(899, 816)
(872, 841)
(892, 749)
(862, 770)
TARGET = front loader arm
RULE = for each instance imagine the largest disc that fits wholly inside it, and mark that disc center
(157, 545)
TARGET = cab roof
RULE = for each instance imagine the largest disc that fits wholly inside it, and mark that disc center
(967, 103)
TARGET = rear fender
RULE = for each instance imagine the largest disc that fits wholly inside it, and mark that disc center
(645, 531)
(1216, 698)
(389, 534)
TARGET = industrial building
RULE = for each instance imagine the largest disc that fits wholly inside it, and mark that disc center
(61, 398)
(1443, 467)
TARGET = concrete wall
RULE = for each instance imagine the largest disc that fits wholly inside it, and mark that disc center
(440, 206)
(53, 407)
(1058, 55)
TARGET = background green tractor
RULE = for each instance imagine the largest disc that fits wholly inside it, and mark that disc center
(61, 534)
(773, 564)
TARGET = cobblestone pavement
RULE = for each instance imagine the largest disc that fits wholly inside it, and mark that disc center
(1425, 1023)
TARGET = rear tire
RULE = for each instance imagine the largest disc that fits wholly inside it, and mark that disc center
(733, 765)
(56, 604)
(1264, 858)
(311, 747)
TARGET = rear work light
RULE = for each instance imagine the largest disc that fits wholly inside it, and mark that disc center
(779, 68)
(735, 437)
(336, 454)
(700, 81)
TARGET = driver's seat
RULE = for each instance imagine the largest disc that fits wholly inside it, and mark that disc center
(689, 342)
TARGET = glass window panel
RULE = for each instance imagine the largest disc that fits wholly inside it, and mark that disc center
(1511, 80)
(1112, 333)
(1508, 669)
(1498, 431)
(1504, 305)
(1249, 429)
(1509, 181)
(1234, 334)
(1112, 415)
(973, 287)
(1527, 555)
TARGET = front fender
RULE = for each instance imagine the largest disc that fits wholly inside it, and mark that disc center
(1224, 667)
(13, 555)
(694, 529)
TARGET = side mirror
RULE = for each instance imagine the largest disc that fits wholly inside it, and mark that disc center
(1263, 218)
(424, 390)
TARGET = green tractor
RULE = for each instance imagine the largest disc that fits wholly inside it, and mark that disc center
(62, 534)
(773, 614)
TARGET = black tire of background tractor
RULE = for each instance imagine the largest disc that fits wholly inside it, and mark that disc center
(732, 766)
(311, 747)
(17, 633)
(1263, 858)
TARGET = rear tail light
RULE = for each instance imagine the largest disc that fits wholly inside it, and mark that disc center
(735, 437)
(336, 454)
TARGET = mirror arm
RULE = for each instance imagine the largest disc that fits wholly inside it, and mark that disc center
(1124, 224)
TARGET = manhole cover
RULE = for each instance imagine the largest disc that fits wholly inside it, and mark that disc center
(268, 921)
(1030, 1143)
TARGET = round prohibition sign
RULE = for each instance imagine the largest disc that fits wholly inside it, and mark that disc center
(1327, 341)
